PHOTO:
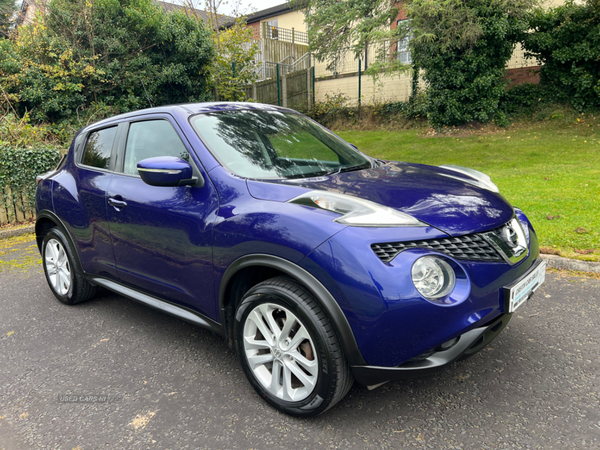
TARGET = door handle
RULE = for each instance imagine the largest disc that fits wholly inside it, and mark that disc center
(117, 204)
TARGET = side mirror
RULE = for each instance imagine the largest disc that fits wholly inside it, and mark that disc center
(166, 171)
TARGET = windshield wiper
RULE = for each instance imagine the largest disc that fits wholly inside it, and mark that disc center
(342, 169)
(352, 168)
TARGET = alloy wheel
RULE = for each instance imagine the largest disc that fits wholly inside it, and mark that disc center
(280, 352)
(57, 266)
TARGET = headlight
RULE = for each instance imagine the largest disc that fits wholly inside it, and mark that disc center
(482, 180)
(356, 211)
(433, 277)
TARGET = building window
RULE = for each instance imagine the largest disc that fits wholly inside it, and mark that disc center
(403, 48)
(272, 29)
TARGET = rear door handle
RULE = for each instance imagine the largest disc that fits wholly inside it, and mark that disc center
(117, 204)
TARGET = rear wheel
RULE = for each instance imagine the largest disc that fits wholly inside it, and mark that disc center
(289, 350)
(64, 278)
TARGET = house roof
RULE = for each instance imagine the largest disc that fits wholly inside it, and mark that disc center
(275, 11)
(201, 14)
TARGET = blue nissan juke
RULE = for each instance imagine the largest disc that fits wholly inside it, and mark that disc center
(319, 264)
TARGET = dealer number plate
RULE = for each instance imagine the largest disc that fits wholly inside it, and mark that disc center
(520, 292)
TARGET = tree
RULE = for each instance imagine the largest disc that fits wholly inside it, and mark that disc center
(235, 65)
(122, 54)
(461, 47)
(337, 29)
(566, 40)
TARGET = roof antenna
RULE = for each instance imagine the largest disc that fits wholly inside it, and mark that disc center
(147, 96)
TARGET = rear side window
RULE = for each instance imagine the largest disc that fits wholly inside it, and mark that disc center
(150, 139)
(98, 148)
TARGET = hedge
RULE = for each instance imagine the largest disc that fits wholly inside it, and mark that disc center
(566, 41)
(18, 170)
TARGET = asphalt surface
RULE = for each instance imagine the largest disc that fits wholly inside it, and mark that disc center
(153, 381)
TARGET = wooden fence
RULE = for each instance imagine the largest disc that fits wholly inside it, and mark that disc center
(292, 90)
(14, 208)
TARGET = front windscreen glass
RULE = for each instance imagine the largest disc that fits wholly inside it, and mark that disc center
(273, 144)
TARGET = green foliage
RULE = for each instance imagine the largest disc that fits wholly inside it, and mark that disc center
(334, 107)
(336, 111)
(87, 53)
(415, 108)
(21, 133)
(463, 47)
(525, 98)
(18, 169)
(567, 42)
(234, 66)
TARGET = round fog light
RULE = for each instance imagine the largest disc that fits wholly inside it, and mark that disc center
(448, 345)
(433, 277)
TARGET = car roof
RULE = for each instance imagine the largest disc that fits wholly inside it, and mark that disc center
(194, 108)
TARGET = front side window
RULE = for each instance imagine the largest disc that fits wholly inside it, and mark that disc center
(98, 148)
(272, 144)
(150, 139)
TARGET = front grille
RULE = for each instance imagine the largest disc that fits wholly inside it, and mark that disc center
(472, 247)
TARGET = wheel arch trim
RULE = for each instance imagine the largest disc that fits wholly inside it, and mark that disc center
(46, 214)
(316, 288)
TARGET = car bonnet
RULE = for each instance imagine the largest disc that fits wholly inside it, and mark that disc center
(439, 197)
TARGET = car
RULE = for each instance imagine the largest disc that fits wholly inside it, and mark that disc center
(318, 264)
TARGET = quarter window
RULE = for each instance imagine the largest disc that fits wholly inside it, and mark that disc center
(150, 139)
(98, 148)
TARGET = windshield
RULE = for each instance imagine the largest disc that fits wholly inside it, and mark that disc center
(274, 144)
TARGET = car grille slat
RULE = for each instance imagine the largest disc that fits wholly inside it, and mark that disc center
(472, 247)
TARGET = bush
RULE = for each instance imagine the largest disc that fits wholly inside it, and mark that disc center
(18, 170)
(524, 98)
(414, 108)
(127, 54)
(462, 48)
(332, 108)
(18, 133)
(336, 112)
(567, 43)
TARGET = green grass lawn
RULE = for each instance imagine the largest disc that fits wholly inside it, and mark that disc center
(550, 170)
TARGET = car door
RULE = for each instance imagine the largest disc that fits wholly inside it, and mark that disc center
(80, 198)
(162, 236)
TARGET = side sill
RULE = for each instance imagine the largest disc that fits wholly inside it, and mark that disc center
(157, 303)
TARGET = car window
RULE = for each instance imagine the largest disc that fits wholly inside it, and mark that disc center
(149, 139)
(273, 144)
(98, 148)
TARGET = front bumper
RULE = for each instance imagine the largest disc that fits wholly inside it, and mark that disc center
(468, 344)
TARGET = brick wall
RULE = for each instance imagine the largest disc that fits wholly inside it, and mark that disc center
(524, 75)
(255, 30)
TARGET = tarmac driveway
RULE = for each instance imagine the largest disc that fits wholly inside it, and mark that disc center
(112, 373)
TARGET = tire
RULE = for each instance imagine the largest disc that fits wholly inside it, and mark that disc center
(300, 368)
(65, 279)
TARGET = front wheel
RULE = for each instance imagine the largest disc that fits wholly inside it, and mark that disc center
(289, 350)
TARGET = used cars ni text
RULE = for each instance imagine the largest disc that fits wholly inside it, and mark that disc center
(319, 264)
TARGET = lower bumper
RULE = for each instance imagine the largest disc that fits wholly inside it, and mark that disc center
(468, 344)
